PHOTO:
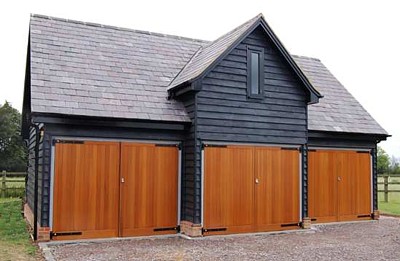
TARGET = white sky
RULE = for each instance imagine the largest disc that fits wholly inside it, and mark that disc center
(359, 41)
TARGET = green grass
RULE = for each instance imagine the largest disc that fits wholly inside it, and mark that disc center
(393, 206)
(15, 240)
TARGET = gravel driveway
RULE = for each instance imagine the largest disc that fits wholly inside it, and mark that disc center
(351, 241)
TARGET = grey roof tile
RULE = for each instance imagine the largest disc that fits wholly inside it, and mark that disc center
(338, 110)
(94, 70)
(75, 60)
(207, 54)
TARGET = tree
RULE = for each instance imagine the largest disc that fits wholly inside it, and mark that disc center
(383, 161)
(12, 149)
(394, 165)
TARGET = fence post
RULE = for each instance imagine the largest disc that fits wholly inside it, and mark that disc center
(3, 184)
(386, 187)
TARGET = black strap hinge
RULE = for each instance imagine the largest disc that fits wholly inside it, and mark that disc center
(291, 148)
(177, 229)
(364, 216)
(68, 141)
(213, 146)
(70, 233)
(291, 225)
(214, 229)
(167, 145)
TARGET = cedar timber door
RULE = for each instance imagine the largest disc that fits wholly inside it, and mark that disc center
(249, 189)
(110, 189)
(149, 189)
(86, 190)
(339, 185)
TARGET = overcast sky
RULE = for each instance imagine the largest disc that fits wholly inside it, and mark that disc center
(359, 41)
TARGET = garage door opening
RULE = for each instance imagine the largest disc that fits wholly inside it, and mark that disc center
(249, 189)
(111, 189)
(339, 185)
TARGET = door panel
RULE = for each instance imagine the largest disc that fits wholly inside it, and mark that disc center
(86, 189)
(228, 189)
(363, 184)
(322, 188)
(346, 174)
(277, 190)
(149, 193)
(354, 186)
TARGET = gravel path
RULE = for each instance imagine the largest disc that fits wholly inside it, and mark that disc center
(352, 241)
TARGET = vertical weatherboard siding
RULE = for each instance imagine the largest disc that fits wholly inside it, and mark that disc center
(304, 180)
(30, 184)
(226, 113)
(44, 180)
(374, 178)
(189, 162)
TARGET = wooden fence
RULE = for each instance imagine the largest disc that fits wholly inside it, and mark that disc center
(388, 181)
(12, 184)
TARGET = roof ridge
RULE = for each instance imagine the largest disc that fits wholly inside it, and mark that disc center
(305, 57)
(235, 29)
(118, 28)
(186, 65)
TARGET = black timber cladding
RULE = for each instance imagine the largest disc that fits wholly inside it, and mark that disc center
(226, 113)
(30, 183)
(189, 161)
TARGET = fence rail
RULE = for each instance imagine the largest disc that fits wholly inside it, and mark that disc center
(386, 182)
(12, 184)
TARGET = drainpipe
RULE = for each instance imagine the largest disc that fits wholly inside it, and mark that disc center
(36, 196)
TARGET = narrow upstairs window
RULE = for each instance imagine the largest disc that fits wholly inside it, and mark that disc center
(255, 72)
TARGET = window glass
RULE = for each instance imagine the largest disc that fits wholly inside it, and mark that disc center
(254, 72)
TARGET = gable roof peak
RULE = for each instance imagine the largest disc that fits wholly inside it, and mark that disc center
(208, 56)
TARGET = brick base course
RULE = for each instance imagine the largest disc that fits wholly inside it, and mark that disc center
(376, 215)
(43, 232)
(306, 224)
(190, 229)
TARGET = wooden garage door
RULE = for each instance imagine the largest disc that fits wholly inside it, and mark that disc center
(109, 189)
(339, 185)
(86, 190)
(250, 189)
(149, 192)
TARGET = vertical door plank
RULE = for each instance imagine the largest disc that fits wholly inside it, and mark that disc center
(322, 188)
(229, 188)
(86, 189)
(277, 192)
(149, 194)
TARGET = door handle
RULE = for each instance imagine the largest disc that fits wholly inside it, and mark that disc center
(257, 181)
(339, 178)
(122, 180)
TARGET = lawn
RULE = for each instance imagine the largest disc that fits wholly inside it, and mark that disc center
(15, 242)
(393, 206)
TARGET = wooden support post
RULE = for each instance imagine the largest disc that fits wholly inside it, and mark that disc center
(3, 184)
(386, 187)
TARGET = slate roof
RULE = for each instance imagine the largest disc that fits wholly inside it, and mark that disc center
(207, 54)
(94, 70)
(89, 69)
(338, 111)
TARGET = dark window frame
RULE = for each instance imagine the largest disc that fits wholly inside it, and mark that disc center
(260, 52)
